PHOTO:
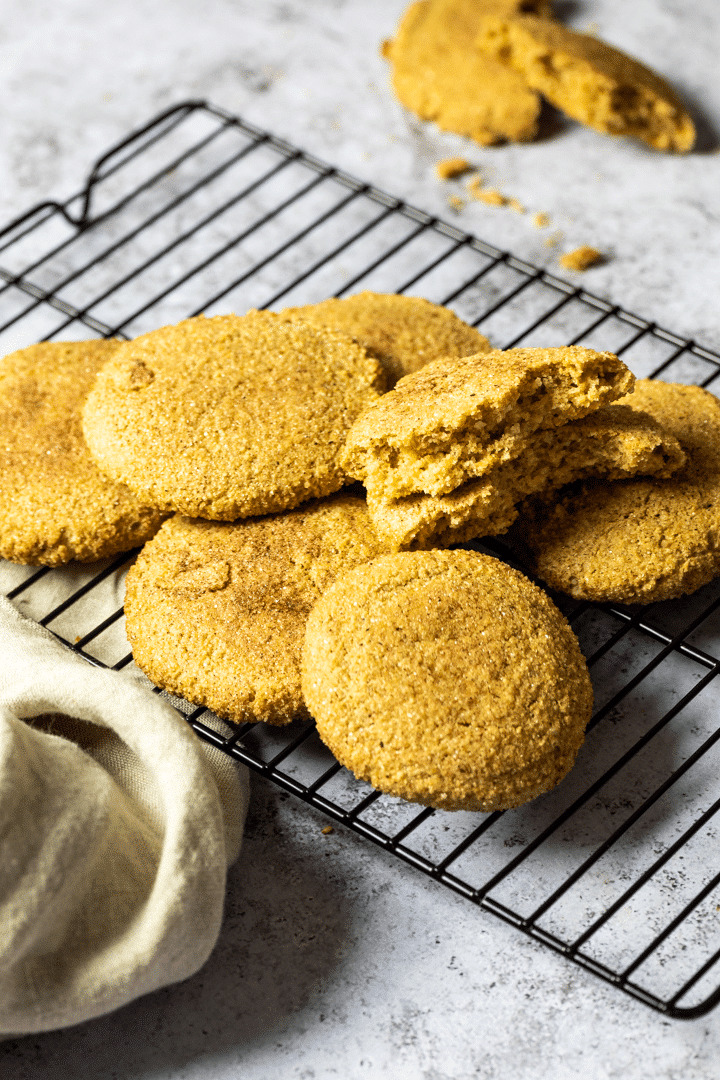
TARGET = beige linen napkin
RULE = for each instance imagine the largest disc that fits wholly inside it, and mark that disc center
(117, 825)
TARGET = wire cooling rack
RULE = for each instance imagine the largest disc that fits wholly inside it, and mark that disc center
(618, 869)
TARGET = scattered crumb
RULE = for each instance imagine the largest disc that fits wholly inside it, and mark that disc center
(491, 197)
(540, 220)
(327, 830)
(582, 258)
(456, 203)
(554, 239)
(451, 167)
(386, 48)
(78, 638)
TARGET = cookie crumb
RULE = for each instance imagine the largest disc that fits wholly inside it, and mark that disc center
(452, 167)
(516, 205)
(540, 220)
(327, 830)
(386, 48)
(581, 258)
(456, 203)
(490, 196)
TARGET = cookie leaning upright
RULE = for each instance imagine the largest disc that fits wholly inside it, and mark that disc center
(403, 332)
(229, 416)
(447, 678)
(216, 611)
(590, 80)
(55, 505)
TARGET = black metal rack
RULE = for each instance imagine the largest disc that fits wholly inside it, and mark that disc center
(199, 211)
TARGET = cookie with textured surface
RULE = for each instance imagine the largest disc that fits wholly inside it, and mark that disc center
(446, 678)
(403, 332)
(637, 541)
(615, 442)
(55, 504)
(589, 80)
(215, 611)
(230, 416)
(454, 420)
(438, 74)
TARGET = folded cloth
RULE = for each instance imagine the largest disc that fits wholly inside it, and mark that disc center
(117, 825)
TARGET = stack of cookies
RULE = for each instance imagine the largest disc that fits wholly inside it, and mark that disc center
(273, 586)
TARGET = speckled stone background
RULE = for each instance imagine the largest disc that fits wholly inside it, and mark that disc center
(335, 960)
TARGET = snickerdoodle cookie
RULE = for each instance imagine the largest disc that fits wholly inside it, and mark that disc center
(447, 678)
(456, 419)
(438, 73)
(55, 505)
(403, 332)
(615, 442)
(637, 541)
(216, 612)
(229, 416)
(589, 80)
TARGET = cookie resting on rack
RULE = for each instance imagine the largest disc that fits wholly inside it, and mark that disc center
(446, 678)
(456, 419)
(216, 611)
(403, 332)
(616, 441)
(55, 505)
(230, 416)
(636, 541)
(590, 80)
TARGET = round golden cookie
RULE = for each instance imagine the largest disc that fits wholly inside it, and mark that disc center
(637, 541)
(447, 678)
(440, 75)
(403, 332)
(231, 416)
(216, 612)
(55, 505)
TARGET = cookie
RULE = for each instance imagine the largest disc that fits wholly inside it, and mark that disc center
(55, 505)
(403, 332)
(439, 75)
(637, 541)
(446, 678)
(590, 80)
(215, 611)
(454, 420)
(614, 442)
(231, 416)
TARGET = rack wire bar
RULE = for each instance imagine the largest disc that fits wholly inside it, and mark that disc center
(198, 211)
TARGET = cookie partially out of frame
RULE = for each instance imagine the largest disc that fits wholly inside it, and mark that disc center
(55, 505)
(438, 74)
(446, 678)
(454, 420)
(590, 80)
(403, 332)
(229, 416)
(216, 611)
(637, 541)
(617, 441)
